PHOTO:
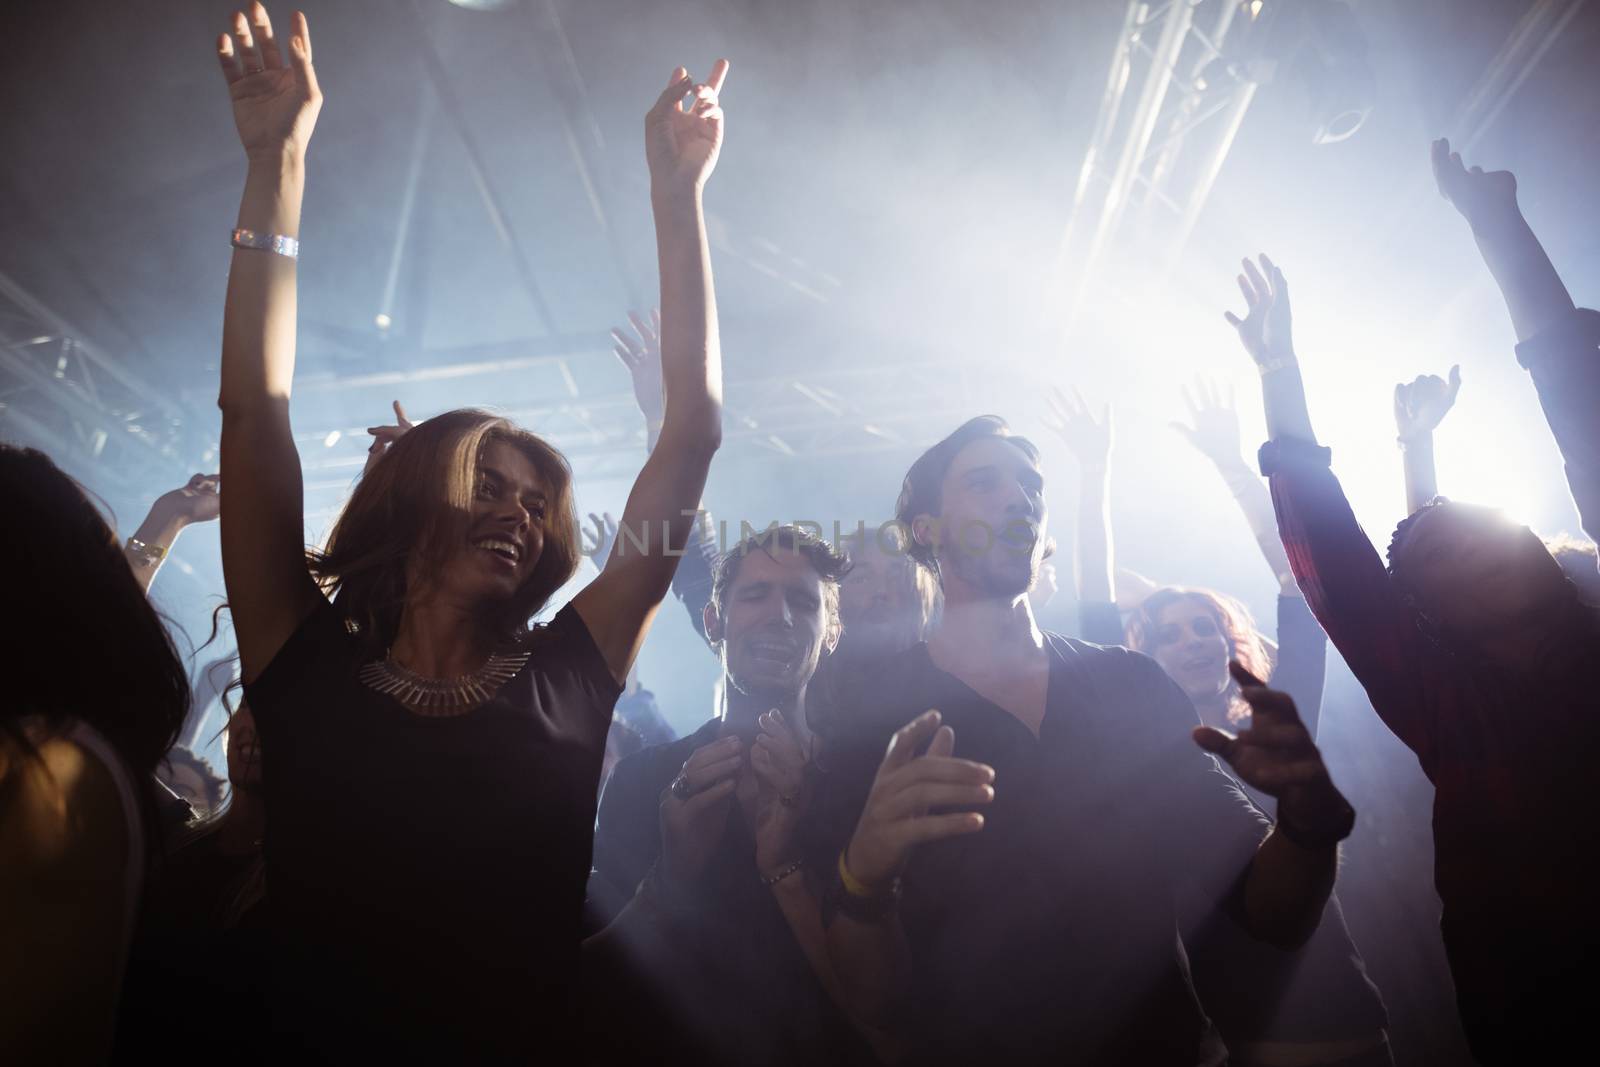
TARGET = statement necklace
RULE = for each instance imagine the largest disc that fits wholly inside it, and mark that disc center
(442, 696)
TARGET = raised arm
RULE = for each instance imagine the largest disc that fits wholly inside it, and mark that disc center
(275, 105)
(173, 511)
(682, 147)
(1557, 343)
(640, 352)
(1215, 434)
(1418, 410)
(1336, 569)
(1089, 440)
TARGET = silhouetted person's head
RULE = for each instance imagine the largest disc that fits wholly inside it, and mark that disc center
(1474, 574)
(84, 641)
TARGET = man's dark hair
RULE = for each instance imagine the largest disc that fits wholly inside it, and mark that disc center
(826, 560)
(919, 495)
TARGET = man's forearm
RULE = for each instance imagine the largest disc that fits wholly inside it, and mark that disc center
(1093, 555)
(1422, 480)
(1283, 396)
(1534, 293)
(156, 532)
(1286, 889)
(872, 963)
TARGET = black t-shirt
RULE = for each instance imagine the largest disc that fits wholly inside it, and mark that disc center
(427, 873)
(727, 983)
(1051, 936)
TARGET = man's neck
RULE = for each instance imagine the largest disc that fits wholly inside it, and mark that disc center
(977, 632)
(441, 639)
(743, 709)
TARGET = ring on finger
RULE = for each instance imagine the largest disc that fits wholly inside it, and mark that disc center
(680, 787)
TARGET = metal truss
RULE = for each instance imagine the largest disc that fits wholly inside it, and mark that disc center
(824, 416)
(1173, 102)
(62, 393)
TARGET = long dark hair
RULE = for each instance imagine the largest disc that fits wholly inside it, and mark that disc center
(86, 645)
(416, 499)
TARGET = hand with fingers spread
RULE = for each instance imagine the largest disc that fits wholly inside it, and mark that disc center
(384, 436)
(779, 764)
(640, 352)
(898, 815)
(694, 810)
(273, 87)
(1422, 405)
(1087, 437)
(1482, 197)
(1265, 330)
(1276, 755)
(1215, 433)
(682, 143)
(605, 536)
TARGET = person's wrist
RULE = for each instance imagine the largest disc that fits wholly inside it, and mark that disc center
(676, 197)
(283, 159)
(1278, 358)
(1320, 817)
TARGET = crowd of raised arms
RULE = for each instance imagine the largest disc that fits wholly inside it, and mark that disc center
(920, 828)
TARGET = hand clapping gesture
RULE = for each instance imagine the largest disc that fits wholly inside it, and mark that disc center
(1088, 438)
(1422, 405)
(779, 764)
(275, 96)
(896, 818)
(682, 144)
(1265, 330)
(694, 810)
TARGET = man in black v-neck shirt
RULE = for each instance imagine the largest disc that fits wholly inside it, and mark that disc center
(708, 960)
(1012, 894)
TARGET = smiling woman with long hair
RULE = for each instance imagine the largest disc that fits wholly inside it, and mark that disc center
(430, 762)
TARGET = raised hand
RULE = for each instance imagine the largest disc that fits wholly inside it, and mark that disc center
(1481, 196)
(1215, 432)
(694, 809)
(1088, 438)
(779, 764)
(682, 144)
(605, 535)
(1422, 405)
(275, 97)
(640, 352)
(384, 436)
(896, 819)
(1276, 755)
(1265, 330)
(197, 500)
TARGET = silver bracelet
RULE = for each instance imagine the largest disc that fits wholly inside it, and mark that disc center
(147, 555)
(771, 880)
(276, 243)
(1277, 363)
